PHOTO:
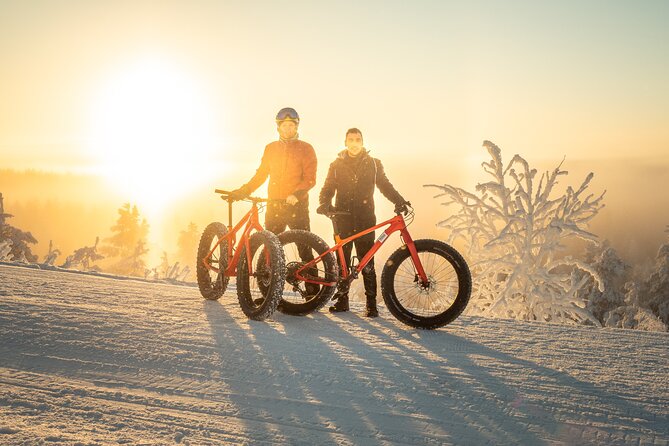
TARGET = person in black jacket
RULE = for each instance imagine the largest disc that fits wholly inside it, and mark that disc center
(353, 177)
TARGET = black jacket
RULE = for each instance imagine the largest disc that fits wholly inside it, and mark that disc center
(353, 180)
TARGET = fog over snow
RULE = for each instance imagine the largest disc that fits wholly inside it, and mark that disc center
(95, 360)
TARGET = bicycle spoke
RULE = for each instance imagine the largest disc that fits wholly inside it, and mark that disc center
(296, 290)
(433, 299)
(211, 278)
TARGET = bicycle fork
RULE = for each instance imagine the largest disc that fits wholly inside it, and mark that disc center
(419, 271)
(420, 276)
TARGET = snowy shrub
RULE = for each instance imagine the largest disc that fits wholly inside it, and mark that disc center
(613, 274)
(187, 245)
(654, 292)
(5, 250)
(51, 256)
(84, 257)
(17, 242)
(128, 242)
(513, 230)
(628, 301)
(632, 315)
(13, 241)
(170, 272)
(132, 264)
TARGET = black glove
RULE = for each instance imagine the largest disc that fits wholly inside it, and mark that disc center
(238, 194)
(402, 208)
(325, 209)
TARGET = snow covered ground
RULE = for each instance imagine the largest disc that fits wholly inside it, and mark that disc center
(93, 360)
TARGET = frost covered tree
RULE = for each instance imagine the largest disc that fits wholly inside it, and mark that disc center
(128, 242)
(19, 249)
(52, 255)
(613, 272)
(514, 229)
(633, 314)
(187, 245)
(628, 301)
(648, 300)
(170, 272)
(164, 268)
(134, 264)
(654, 291)
(183, 274)
(84, 257)
(5, 250)
(129, 229)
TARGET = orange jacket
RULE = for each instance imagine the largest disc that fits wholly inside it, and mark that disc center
(291, 167)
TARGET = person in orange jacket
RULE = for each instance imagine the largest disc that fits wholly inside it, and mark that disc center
(290, 164)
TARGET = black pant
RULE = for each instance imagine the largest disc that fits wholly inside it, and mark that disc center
(281, 215)
(362, 246)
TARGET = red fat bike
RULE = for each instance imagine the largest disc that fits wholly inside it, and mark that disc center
(425, 283)
(256, 259)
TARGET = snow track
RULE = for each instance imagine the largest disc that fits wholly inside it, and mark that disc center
(90, 360)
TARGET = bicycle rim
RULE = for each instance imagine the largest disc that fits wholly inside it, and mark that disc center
(434, 299)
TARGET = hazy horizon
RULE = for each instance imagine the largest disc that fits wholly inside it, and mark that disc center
(633, 220)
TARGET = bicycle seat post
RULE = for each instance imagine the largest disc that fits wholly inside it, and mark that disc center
(229, 214)
(335, 229)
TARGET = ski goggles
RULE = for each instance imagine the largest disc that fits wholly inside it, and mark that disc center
(287, 114)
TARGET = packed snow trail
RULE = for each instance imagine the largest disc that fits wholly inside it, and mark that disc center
(91, 360)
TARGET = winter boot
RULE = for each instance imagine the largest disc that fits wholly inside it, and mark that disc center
(371, 310)
(341, 305)
(369, 279)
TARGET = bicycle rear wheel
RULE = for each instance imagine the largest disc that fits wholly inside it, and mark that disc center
(436, 304)
(300, 298)
(212, 284)
(268, 276)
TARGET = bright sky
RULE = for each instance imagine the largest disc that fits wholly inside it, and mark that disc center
(575, 78)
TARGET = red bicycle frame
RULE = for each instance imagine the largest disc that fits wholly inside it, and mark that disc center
(249, 222)
(394, 224)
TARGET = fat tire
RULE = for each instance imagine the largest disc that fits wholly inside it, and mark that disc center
(212, 289)
(403, 314)
(329, 265)
(270, 243)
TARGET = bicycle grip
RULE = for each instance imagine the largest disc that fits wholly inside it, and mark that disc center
(221, 191)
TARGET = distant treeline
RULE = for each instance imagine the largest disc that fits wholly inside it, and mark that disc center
(73, 209)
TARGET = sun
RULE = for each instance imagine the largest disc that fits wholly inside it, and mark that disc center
(152, 132)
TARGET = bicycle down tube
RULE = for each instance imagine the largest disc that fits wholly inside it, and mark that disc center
(394, 224)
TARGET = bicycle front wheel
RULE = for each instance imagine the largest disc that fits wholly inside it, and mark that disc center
(431, 305)
(212, 283)
(259, 291)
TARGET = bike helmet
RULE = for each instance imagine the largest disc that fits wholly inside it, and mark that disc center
(287, 114)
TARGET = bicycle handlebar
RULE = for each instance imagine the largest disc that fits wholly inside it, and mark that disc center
(227, 197)
(335, 213)
(331, 214)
